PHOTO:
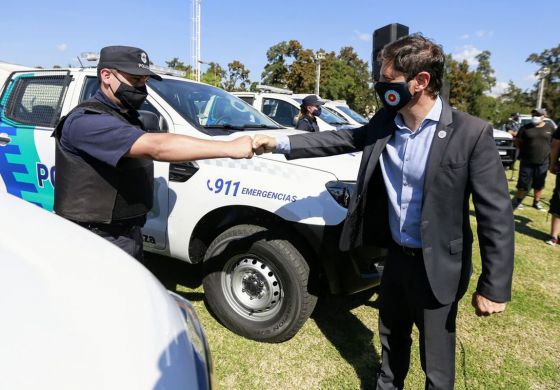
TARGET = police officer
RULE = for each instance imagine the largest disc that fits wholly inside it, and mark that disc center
(104, 157)
(310, 109)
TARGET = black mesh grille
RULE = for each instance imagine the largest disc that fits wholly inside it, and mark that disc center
(36, 100)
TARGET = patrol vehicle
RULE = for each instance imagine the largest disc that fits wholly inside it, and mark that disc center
(283, 106)
(266, 229)
(79, 313)
(342, 109)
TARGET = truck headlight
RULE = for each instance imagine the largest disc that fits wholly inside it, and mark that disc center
(197, 337)
(341, 191)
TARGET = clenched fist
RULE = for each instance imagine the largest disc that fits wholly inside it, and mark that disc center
(263, 144)
(484, 306)
(241, 147)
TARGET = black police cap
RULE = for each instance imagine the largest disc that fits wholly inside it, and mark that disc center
(131, 60)
(312, 100)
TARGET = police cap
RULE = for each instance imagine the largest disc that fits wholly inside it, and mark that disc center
(131, 60)
(312, 100)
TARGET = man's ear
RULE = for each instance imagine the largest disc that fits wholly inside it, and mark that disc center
(422, 81)
(105, 76)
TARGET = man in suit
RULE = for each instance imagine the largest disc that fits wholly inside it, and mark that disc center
(421, 162)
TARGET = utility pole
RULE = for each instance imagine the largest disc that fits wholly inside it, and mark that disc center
(541, 74)
(319, 56)
(195, 39)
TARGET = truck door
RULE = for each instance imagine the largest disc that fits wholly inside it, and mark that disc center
(30, 107)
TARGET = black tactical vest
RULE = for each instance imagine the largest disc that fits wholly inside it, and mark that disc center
(88, 190)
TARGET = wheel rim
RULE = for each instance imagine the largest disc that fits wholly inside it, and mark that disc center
(252, 288)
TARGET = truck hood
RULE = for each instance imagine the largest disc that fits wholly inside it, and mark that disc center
(502, 134)
(344, 166)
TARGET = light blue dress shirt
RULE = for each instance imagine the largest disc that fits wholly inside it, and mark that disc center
(403, 163)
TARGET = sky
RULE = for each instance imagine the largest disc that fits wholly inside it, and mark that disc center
(54, 32)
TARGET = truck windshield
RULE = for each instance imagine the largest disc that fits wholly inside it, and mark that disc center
(353, 114)
(209, 107)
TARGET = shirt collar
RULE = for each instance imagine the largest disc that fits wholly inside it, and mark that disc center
(102, 98)
(433, 116)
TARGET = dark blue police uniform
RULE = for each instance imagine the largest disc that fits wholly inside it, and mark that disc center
(107, 139)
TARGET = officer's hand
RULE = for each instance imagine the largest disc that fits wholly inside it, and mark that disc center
(241, 147)
(264, 144)
(484, 306)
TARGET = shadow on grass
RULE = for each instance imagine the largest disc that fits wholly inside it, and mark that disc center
(173, 272)
(349, 335)
(522, 227)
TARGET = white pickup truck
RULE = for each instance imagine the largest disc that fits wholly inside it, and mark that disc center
(266, 229)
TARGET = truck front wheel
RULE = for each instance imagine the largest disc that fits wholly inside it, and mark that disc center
(256, 284)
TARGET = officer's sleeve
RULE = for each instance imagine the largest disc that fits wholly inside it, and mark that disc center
(101, 136)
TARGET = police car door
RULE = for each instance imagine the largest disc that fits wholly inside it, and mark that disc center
(155, 229)
(30, 107)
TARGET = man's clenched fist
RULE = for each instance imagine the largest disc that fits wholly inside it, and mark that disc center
(263, 144)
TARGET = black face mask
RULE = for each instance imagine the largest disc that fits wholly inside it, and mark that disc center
(131, 97)
(317, 112)
(393, 95)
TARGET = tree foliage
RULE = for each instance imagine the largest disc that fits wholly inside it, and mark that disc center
(214, 75)
(343, 76)
(551, 96)
(174, 63)
(237, 77)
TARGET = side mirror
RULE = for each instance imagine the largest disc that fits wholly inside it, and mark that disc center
(150, 121)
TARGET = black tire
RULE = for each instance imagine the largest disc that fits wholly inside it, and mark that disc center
(256, 283)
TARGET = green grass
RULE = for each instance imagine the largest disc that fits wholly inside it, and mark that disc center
(338, 348)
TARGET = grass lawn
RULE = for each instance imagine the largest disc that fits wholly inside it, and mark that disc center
(338, 348)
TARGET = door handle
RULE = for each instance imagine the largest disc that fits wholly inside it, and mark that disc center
(4, 139)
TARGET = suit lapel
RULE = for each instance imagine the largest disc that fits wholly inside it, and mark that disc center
(373, 152)
(441, 138)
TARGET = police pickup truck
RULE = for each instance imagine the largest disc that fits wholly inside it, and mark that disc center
(265, 230)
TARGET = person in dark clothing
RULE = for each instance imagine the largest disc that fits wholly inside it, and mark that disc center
(104, 157)
(512, 125)
(310, 109)
(555, 201)
(533, 141)
(422, 161)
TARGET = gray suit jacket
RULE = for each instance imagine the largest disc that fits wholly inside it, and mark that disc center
(463, 163)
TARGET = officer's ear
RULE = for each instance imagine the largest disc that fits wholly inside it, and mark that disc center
(105, 75)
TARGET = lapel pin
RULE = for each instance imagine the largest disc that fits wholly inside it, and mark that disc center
(442, 134)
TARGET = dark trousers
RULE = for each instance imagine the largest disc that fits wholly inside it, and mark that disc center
(407, 299)
(128, 238)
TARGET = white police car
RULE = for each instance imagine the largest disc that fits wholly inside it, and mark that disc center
(265, 229)
(79, 313)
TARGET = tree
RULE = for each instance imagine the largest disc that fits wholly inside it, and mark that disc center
(237, 77)
(459, 78)
(551, 97)
(280, 57)
(213, 75)
(347, 77)
(179, 65)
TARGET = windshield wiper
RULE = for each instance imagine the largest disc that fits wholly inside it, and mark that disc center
(261, 126)
(224, 126)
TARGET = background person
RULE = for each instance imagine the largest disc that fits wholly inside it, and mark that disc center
(555, 201)
(533, 141)
(310, 109)
(512, 125)
(104, 157)
(421, 162)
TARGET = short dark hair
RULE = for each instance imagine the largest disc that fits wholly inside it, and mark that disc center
(413, 54)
